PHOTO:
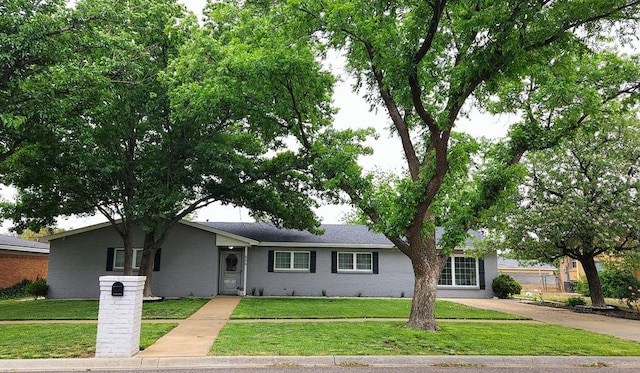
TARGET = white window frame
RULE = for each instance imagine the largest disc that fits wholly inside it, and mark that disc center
(291, 261)
(136, 253)
(453, 274)
(354, 261)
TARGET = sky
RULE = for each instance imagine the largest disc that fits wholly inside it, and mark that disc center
(353, 112)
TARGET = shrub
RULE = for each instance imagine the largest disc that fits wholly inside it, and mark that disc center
(576, 301)
(505, 286)
(615, 283)
(38, 288)
(582, 287)
(632, 297)
(18, 290)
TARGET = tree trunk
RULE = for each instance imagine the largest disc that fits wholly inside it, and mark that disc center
(127, 241)
(593, 279)
(150, 247)
(427, 265)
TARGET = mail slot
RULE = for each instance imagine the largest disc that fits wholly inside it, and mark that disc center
(117, 289)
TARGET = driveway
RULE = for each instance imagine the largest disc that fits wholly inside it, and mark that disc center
(621, 328)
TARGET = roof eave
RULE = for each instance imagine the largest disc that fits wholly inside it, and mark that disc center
(72, 232)
(325, 245)
(24, 249)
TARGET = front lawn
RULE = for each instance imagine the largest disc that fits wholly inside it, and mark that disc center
(336, 308)
(392, 338)
(37, 341)
(88, 309)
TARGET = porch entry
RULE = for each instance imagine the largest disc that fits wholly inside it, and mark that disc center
(230, 272)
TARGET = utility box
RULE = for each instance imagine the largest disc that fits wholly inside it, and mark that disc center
(119, 316)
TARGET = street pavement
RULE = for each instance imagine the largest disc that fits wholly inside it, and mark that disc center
(532, 363)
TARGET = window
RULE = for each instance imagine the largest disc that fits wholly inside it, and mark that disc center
(292, 260)
(115, 259)
(355, 262)
(118, 259)
(459, 271)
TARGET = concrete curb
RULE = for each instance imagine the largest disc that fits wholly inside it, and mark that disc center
(316, 361)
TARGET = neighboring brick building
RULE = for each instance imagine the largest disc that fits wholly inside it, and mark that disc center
(22, 259)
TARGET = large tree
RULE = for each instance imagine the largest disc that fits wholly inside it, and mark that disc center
(86, 159)
(146, 149)
(427, 64)
(579, 200)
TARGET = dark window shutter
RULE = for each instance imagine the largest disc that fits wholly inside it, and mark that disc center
(334, 262)
(375, 263)
(156, 261)
(312, 262)
(110, 258)
(270, 261)
(481, 274)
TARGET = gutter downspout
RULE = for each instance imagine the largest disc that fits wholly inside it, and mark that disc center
(244, 271)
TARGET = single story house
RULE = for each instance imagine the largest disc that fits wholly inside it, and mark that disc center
(207, 259)
(21, 259)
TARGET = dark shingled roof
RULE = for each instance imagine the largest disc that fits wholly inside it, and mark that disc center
(333, 233)
(18, 244)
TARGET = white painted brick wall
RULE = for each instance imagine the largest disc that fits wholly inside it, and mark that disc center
(119, 317)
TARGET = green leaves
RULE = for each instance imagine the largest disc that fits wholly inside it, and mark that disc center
(580, 199)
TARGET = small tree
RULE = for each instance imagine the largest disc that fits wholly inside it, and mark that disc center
(580, 200)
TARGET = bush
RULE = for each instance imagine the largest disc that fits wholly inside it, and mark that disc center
(38, 288)
(615, 283)
(576, 301)
(632, 298)
(505, 286)
(582, 287)
(18, 290)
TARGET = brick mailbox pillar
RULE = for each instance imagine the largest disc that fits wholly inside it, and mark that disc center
(119, 316)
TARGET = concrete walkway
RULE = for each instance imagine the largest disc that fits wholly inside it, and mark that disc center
(195, 335)
(621, 328)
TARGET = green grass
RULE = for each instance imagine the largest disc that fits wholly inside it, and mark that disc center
(88, 309)
(172, 309)
(36, 341)
(392, 338)
(335, 308)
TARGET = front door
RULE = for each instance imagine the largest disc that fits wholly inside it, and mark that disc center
(230, 271)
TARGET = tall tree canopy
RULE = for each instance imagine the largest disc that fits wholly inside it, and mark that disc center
(428, 63)
(579, 200)
(34, 35)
